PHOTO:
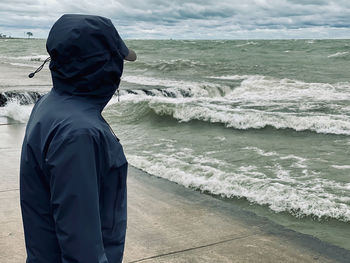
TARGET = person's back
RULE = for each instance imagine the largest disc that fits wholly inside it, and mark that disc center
(73, 169)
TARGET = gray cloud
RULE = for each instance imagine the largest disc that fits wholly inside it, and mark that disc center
(189, 19)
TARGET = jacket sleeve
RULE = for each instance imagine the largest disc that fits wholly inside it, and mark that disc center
(73, 165)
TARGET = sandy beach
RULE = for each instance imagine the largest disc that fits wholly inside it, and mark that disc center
(169, 223)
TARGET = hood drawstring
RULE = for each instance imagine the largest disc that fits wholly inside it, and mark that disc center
(39, 68)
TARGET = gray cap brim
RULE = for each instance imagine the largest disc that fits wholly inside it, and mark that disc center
(131, 56)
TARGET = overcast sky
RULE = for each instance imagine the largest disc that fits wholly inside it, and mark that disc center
(192, 19)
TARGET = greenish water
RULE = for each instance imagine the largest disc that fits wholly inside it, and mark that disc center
(264, 124)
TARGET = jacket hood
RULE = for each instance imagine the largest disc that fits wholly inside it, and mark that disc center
(86, 57)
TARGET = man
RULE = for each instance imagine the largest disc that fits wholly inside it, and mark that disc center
(73, 169)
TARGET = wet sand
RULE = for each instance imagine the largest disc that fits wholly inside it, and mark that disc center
(169, 223)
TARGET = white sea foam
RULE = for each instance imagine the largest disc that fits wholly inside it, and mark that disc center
(23, 65)
(232, 77)
(16, 111)
(258, 88)
(27, 58)
(283, 193)
(338, 54)
(297, 161)
(249, 43)
(341, 167)
(220, 138)
(260, 151)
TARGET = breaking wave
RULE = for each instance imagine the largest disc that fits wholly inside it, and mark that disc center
(18, 105)
(284, 193)
(256, 103)
(175, 88)
(20, 97)
(15, 111)
(189, 109)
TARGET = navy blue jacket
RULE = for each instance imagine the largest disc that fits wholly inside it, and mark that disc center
(73, 169)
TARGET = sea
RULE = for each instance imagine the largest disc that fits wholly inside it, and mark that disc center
(262, 124)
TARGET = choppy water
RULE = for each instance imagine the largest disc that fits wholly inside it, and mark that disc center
(265, 121)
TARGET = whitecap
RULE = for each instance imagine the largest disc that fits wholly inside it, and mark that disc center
(249, 43)
(338, 54)
(16, 111)
(23, 65)
(27, 58)
(341, 167)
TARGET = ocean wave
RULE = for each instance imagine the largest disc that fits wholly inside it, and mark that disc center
(168, 65)
(23, 65)
(253, 88)
(232, 77)
(284, 193)
(222, 112)
(341, 167)
(177, 87)
(16, 111)
(20, 97)
(252, 119)
(258, 102)
(263, 88)
(18, 105)
(338, 54)
(312, 41)
(27, 58)
(249, 43)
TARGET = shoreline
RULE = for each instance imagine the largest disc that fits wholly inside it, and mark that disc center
(170, 223)
(258, 231)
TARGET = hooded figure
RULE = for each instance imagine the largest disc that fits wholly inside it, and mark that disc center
(73, 169)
